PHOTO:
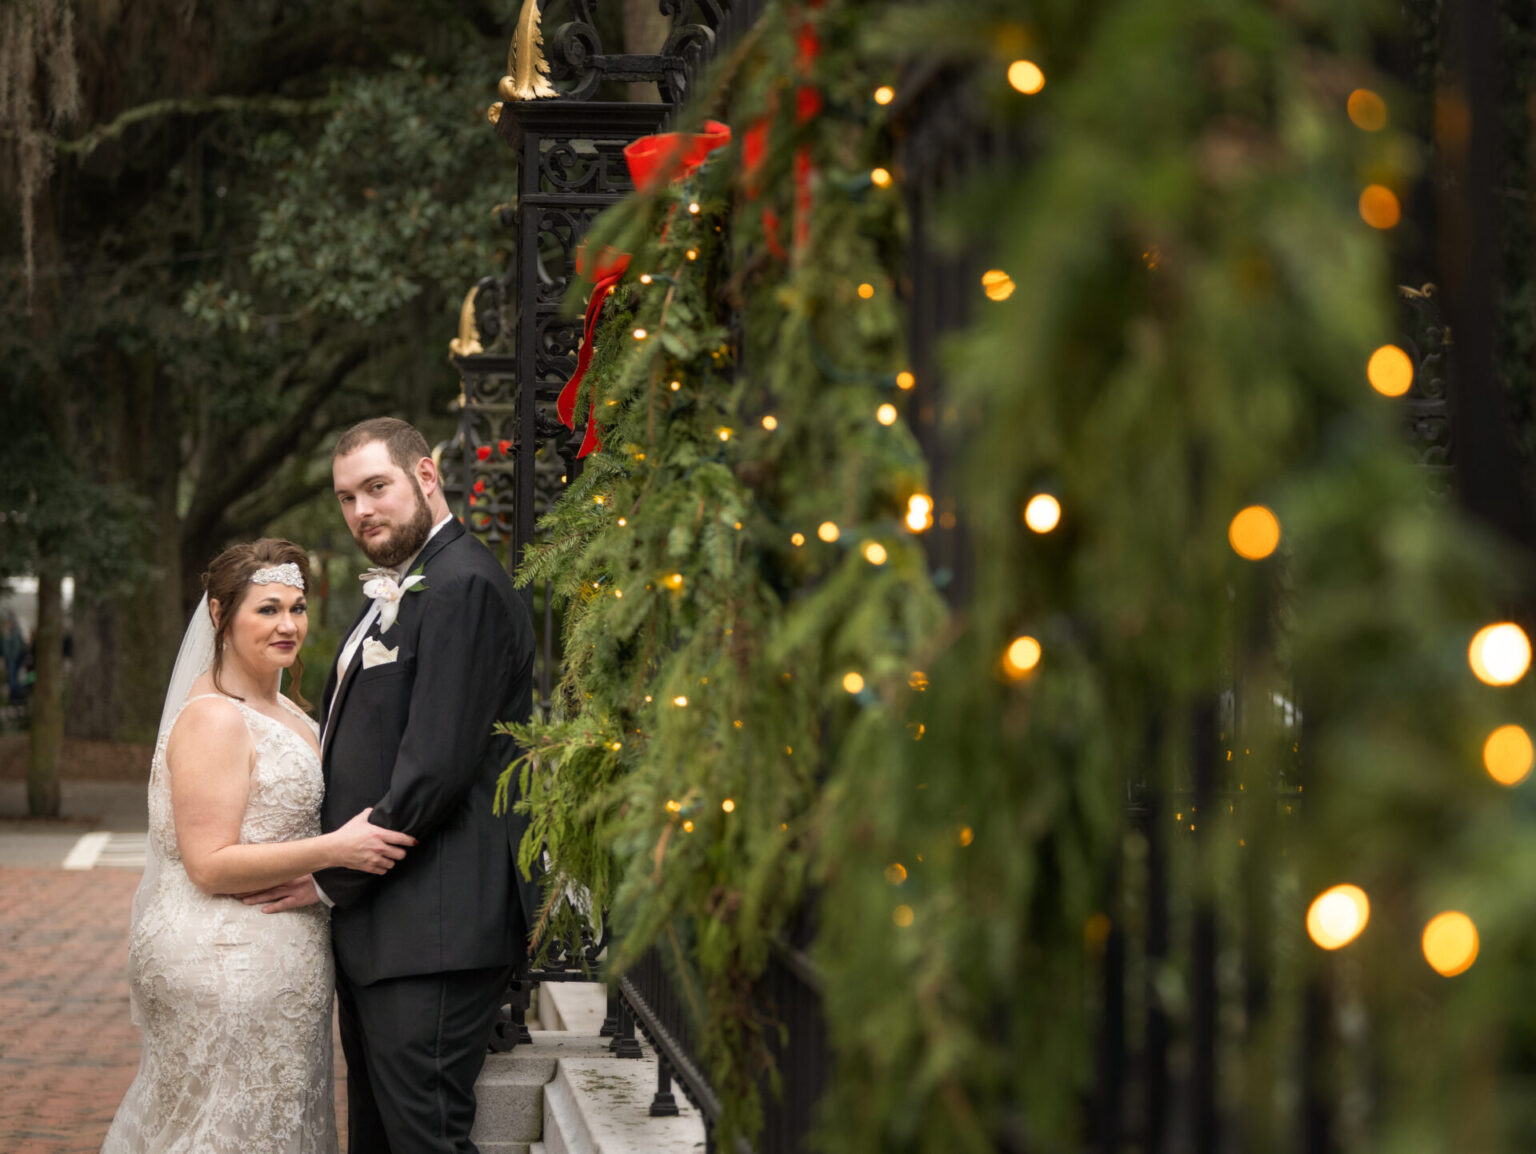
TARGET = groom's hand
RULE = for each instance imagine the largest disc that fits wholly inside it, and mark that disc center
(288, 896)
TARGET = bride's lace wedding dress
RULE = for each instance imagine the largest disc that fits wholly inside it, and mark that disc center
(234, 1004)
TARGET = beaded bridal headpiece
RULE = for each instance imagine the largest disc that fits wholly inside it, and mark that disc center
(284, 574)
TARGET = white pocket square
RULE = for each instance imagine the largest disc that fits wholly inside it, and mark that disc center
(374, 653)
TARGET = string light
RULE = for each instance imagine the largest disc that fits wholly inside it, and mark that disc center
(675, 385)
(728, 805)
(997, 284)
(1379, 206)
(687, 827)
(866, 290)
(874, 553)
(896, 873)
(797, 540)
(1254, 533)
(673, 581)
(886, 414)
(905, 380)
(1367, 111)
(1021, 656)
(918, 680)
(966, 836)
(623, 521)
(1337, 916)
(674, 807)
(1450, 943)
(616, 746)
(880, 177)
(693, 207)
(853, 682)
(828, 531)
(645, 278)
(724, 433)
(1390, 371)
(1025, 76)
(692, 254)
(680, 701)
(919, 512)
(884, 94)
(770, 422)
(1508, 755)
(640, 334)
(1043, 513)
(1500, 654)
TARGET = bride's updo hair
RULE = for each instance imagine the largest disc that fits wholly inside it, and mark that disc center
(228, 580)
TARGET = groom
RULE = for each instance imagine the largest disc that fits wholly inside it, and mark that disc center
(424, 952)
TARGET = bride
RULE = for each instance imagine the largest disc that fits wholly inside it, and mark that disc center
(235, 1002)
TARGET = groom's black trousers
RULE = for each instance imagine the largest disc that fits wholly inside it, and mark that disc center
(414, 1047)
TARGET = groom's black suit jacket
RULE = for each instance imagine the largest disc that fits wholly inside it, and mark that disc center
(413, 739)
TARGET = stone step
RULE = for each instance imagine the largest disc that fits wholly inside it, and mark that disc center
(510, 1090)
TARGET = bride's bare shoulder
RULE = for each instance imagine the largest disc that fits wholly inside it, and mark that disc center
(208, 725)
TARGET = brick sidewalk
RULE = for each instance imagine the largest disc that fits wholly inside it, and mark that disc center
(67, 1048)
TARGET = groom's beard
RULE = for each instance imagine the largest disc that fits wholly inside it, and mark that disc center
(402, 541)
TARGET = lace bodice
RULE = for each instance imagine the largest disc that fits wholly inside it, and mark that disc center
(235, 1004)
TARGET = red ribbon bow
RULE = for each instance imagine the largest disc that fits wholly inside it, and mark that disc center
(654, 162)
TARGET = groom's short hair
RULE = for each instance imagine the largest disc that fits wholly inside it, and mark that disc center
(406, 446)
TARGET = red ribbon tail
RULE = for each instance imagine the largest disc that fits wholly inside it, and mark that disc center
(565, 404)
(591, 443)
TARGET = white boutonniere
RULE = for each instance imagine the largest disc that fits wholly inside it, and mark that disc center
(386, 592)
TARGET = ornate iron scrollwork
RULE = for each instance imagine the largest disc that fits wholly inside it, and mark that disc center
(1428, 404)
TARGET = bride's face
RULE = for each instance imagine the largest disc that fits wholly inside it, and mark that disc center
(268, 628)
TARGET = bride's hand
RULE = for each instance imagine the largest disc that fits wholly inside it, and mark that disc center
(373, 849)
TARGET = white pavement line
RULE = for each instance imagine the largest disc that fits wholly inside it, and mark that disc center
(85, 852)
(124, 851)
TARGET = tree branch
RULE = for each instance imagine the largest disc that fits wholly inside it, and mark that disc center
(256, 468)
(192, 106)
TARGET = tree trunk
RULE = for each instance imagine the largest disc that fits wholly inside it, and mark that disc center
(47, 739)
(126, 644)
(645, 31)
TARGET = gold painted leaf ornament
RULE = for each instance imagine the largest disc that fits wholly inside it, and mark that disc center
(467, 343)
(528, 71)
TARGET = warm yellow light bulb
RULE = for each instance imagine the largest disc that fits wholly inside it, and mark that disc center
(874, 553)
(723, 433)
(728, 805)
(896, 873)
(1379, 206)
(693, 207)
(640, 334)
(692, 254)
(675, 385)
(1337, 915)
(687, 827)
(1450, 943)
(886, 414)
(645, 278)
(880, 177)
(1043, 513)
(885, 94)
(1254, 533)
(1508, 755)
(902, 916)
(797, 540)
(853, 682)
(997, 284)
(770, 422)
(1025, 76)
(1021, 656)
(828, 531)
(905, 380)
(680, 701)
(1500, 654)
(1390, 371)
(966, 835)
(866, 290)
(1367, 110)
(919, 512)
(673, 581)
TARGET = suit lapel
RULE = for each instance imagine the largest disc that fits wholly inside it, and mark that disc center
(341, 680)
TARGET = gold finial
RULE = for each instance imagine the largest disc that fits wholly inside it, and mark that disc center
(528, 71)
(467, 343)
